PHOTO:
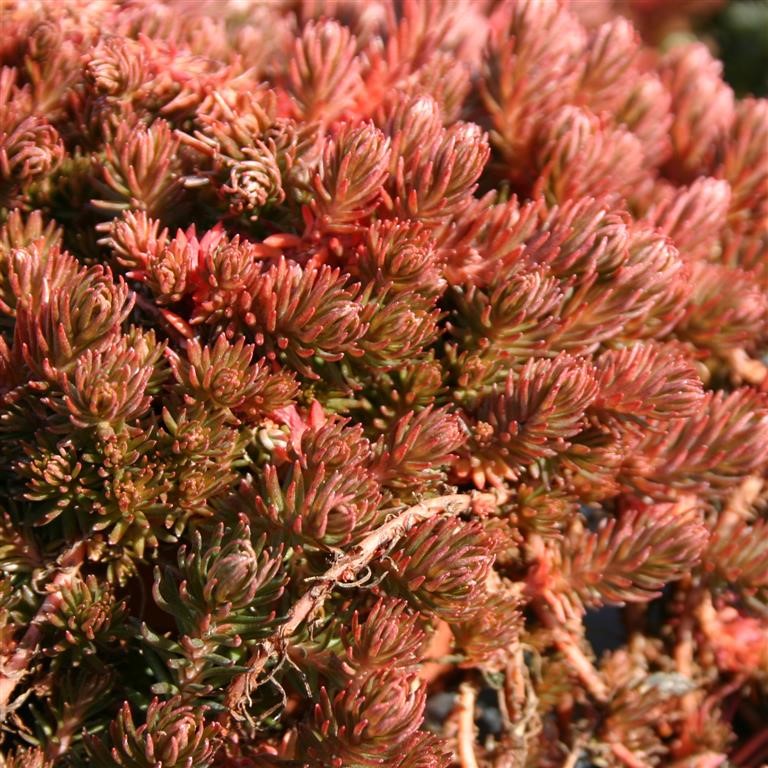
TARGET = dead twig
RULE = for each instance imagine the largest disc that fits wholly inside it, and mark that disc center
(344, 571)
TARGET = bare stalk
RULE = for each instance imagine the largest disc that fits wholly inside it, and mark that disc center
(344, 571)
(466, 725)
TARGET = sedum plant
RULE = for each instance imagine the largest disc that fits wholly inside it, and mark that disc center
(356, 358)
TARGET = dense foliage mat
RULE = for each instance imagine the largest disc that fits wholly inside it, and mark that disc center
(352, 356)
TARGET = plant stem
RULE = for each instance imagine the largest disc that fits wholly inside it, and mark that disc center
(14, 667)
(466, 723)
(627, 757)
(344, 571)
(568, 645)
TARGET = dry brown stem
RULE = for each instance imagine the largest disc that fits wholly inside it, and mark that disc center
(466, 726)
(519, 708)
(344, 571)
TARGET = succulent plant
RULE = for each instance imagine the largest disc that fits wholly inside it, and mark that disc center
(355, 356)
